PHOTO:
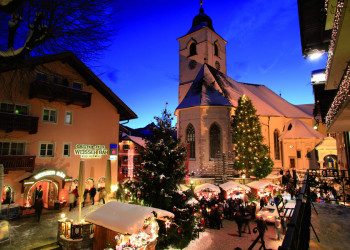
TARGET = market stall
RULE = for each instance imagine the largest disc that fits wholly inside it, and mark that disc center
(207, 191)
(234, 190)
(262, 188)
(126, 225)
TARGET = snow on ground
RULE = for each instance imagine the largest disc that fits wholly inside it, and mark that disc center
(332, 225)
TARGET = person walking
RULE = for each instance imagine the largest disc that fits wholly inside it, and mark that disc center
(92, 194)
(39, 204)
(84, 196)
(278, 226)
(262, 228)
(102, 195)
(75, 192)
(239, 220)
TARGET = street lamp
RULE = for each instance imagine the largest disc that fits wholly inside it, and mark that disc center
(243, 177)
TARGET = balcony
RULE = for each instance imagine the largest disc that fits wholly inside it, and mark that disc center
(59, 93)
(17, 162)
(14, 122)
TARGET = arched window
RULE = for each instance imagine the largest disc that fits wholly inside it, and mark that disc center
(215, 140)
(216, 49)
(193, 49)
(276, 143)
(190, 139)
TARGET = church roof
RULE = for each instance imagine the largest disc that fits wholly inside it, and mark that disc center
(200, 21)
(297, 129)
(213, 88)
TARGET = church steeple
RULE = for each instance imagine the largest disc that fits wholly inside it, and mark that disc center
(201, 45)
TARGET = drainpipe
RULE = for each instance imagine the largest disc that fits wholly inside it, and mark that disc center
(268, 127)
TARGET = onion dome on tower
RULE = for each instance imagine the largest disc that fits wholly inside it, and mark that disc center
(200, 21)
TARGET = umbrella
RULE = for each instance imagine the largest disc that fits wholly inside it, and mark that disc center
(108, 177)
(1, 183)
(81, 184)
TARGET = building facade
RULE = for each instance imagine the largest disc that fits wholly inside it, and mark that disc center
(208, 99)
(54, 112)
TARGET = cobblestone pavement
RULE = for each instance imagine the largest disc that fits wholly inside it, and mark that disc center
(27, 233)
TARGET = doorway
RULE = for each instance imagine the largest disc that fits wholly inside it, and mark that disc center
(50, 193)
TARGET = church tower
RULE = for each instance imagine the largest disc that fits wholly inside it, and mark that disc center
(200, 45)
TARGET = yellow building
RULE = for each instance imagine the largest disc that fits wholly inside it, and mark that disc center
(54, 112)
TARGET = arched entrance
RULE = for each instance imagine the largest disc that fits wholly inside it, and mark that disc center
(50, 192)
(7, 194)
(330, 161)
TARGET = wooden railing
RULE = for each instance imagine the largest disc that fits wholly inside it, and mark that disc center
(15, 122)
(59, 93)
(18, 162)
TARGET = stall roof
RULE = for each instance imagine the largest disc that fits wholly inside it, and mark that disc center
(123, 217)
(192, 201)
(261, 184)
(207, 186)
(231, 185)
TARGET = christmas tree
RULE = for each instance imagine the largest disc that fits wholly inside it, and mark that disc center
(252, 155)
(160, 174)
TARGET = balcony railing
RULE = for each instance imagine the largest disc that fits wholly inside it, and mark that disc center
(17, 162)
(15, 122)
(59, 93)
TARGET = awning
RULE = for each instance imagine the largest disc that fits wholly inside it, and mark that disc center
(123, 217)
(209, 186)
(232, 185)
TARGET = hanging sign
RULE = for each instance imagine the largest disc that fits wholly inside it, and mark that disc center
(50, 172)
(90, 151)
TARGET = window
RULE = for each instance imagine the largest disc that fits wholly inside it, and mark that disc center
(298, 154)
(42, 77)
(216, 49)
(68, 118)
(276, 143)
(136, 159)
(309, 154)
(12, 148)
(126, 147)
(125, 159)
(50, 115)
(46, 150)
(124, 170)
(66, 150)
(77, 85)
(14, 108)
(193, 49)
(214, 140)
(190, 139)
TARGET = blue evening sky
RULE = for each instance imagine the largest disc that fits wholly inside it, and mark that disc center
(142, 65)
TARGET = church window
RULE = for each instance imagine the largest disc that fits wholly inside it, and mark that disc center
(215, 140)
(190, 139)
(193, 49)
(276, 143)
(216, 49)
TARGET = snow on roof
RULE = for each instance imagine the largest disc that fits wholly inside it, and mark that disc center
(212, 87)
(260, 184)
(307, 108)
(183, 187)
(123, 217)
(204, 186)
(297, 129)
(192, 201)
(329, 143)
(232, 185)
(140, 141)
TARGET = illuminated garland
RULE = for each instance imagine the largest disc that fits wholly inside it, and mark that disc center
(338, 13)
(340, 98)
(326, 5)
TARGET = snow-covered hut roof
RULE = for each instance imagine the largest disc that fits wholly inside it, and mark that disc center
(123, 217)
(297, 129)
(207, 186)
(232, 185)
(213, 88)
(192, 201)
(261, 184)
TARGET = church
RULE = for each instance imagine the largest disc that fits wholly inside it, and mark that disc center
(208, 98)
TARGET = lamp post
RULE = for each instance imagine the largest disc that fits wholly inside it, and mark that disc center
(243, 177)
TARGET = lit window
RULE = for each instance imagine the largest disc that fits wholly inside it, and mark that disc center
(126, 147)
(69, 117)
(46, 149)
(14, 108)
(66, 150)
(50, 115)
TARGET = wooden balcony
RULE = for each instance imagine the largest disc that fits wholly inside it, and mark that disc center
(17, 162)
(14, 122)
(59, 93)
